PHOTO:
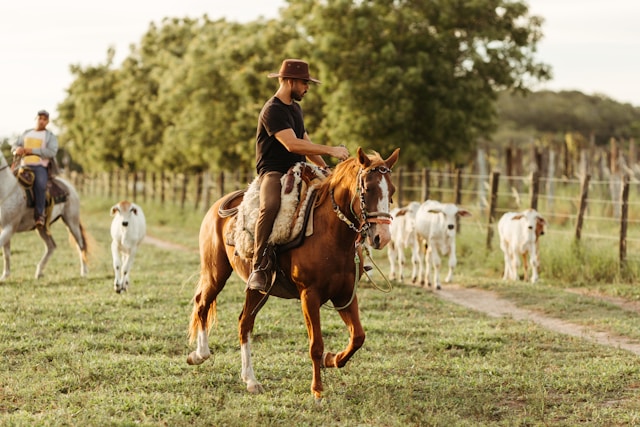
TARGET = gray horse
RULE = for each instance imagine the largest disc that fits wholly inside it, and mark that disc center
(16, 216)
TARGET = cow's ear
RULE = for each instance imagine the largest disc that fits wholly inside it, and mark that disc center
(135, 211)
(114, 210)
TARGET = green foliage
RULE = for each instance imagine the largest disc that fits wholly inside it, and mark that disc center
(418, 75)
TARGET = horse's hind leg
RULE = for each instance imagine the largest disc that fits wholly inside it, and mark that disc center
(6, 254)
(50, 246)
(204, 307)
(77, 231)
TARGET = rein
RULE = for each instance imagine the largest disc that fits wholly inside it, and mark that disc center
(366, 219)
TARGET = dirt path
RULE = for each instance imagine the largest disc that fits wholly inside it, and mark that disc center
(491, 304)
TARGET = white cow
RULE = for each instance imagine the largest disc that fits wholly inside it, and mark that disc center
(436, 224)
(128, 229)
(519, 233)
(403, 235)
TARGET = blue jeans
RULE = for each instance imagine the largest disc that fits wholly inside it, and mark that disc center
(39, 188)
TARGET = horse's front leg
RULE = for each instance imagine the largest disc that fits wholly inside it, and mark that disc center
(50, 246)
(351, 318)
(245, 327)
(310, 304)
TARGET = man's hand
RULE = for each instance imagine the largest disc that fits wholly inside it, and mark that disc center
(340, 152)
(21, 151)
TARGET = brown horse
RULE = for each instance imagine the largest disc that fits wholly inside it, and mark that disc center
(352, 205)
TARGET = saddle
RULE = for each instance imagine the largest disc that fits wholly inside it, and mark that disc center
(55, 191)
(298, 192)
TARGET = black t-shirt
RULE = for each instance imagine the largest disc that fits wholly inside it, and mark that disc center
(275, 116)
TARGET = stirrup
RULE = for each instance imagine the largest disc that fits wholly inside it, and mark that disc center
(255, 285)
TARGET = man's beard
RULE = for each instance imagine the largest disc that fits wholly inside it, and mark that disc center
(297, 96)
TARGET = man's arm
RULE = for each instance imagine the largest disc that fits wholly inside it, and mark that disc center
(310, 149)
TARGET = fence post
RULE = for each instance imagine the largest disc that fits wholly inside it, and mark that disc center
(584, 195)
(221, 184)
(535, 189)
(493, 198)
(624, 212)
(426, 175)
(400, 188)
(458, 195)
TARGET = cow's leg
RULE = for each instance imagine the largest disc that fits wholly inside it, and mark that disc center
(245, 326)
(436, 262)
(427, 266)
(126, 267)
(534, 268)
(50, 246)
(391, 255)
(117, 266)
(416, 261)
(453, 261)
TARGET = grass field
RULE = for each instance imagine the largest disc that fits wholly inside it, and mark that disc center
(76, 353)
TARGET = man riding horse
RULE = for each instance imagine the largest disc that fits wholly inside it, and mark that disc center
(281, 142)
(37, 148)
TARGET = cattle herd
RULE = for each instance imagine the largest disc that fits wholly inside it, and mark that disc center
(428, 231)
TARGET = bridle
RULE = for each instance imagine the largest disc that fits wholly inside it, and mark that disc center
(365, 218)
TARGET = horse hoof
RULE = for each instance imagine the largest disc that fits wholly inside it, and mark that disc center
(196, 359)
(255, 388)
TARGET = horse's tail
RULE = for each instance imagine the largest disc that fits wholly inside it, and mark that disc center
(198, 305)
(84, 245)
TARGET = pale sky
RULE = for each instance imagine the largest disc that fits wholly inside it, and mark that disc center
(592, 46)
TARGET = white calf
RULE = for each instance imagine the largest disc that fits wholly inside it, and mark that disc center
(403, 235)
(128, 228)
(519, 233)
(436, 224)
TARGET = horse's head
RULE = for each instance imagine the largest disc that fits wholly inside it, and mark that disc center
(376, 189)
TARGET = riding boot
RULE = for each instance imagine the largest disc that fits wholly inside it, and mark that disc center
(261, 276)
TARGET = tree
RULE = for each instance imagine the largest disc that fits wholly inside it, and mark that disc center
(421, 75)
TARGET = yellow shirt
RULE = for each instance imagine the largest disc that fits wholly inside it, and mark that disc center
(34, 139)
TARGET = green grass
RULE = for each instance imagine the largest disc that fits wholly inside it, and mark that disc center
(76, 353)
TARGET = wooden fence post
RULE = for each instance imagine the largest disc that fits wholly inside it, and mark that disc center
(535, 189)
(221, 184)
(624, 214)
(493, 198)
(426, 178)
(584, 195)
(458, 194)
(400, 188)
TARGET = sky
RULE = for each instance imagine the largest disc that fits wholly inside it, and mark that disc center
(591, 45)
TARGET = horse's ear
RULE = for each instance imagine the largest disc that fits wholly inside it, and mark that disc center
(393, 158)
(363, 159)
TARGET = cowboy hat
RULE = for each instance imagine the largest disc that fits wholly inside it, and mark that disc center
(294, 69)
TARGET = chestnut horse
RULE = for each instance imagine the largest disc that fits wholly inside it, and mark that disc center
(352, 205)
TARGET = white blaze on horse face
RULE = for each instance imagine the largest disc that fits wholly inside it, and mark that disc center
(380, 234)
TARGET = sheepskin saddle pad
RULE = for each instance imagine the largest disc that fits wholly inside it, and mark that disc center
(298, 189)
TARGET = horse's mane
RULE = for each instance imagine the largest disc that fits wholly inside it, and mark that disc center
(344, 173)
